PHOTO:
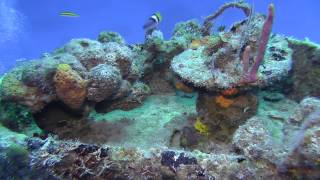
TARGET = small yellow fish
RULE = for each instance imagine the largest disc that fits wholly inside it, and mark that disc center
(68, 14)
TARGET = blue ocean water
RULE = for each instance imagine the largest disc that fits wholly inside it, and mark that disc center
(30, 28)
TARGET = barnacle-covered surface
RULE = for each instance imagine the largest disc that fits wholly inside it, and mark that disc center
(166, 109)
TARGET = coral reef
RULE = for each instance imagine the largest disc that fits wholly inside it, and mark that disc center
(236, 104)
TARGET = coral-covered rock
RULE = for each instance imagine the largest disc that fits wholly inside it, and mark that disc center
(306, 107)
(141, 62)
(223, 115)
(290, 143)
(89, 52)
(154, 41)
(31, 83)
(138, 93)
(70, 87)
(305, 74)
(53, 60)
(13, 89)
(40, 73)
(124, 90)
(217, 62)
(191, 66)
(185, 32)
(122, 56)
(268, 135)
(121, 51)
(253, 139)
(105, 81)
(304, 153)
(105, 37)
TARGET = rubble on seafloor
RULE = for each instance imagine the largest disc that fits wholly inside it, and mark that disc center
(191, 107)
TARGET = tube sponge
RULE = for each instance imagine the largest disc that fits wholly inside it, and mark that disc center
(266, 30)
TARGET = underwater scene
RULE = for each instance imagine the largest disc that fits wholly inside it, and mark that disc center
(159, 90)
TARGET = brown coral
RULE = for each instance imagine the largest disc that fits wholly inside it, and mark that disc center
(70, 87)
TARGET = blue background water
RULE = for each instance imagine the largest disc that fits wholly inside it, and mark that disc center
(29, 28)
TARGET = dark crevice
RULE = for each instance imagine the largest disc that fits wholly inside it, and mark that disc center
(57, 119)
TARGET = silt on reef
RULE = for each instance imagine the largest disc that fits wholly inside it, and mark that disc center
(236, 104)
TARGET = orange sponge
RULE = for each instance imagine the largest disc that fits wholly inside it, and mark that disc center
(223, 102)
(182, 87)
(230, 92)
(70, 87)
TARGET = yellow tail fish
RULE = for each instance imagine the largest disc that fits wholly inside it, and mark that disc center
(68, 14)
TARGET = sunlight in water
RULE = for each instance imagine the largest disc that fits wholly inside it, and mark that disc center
(11, 21)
